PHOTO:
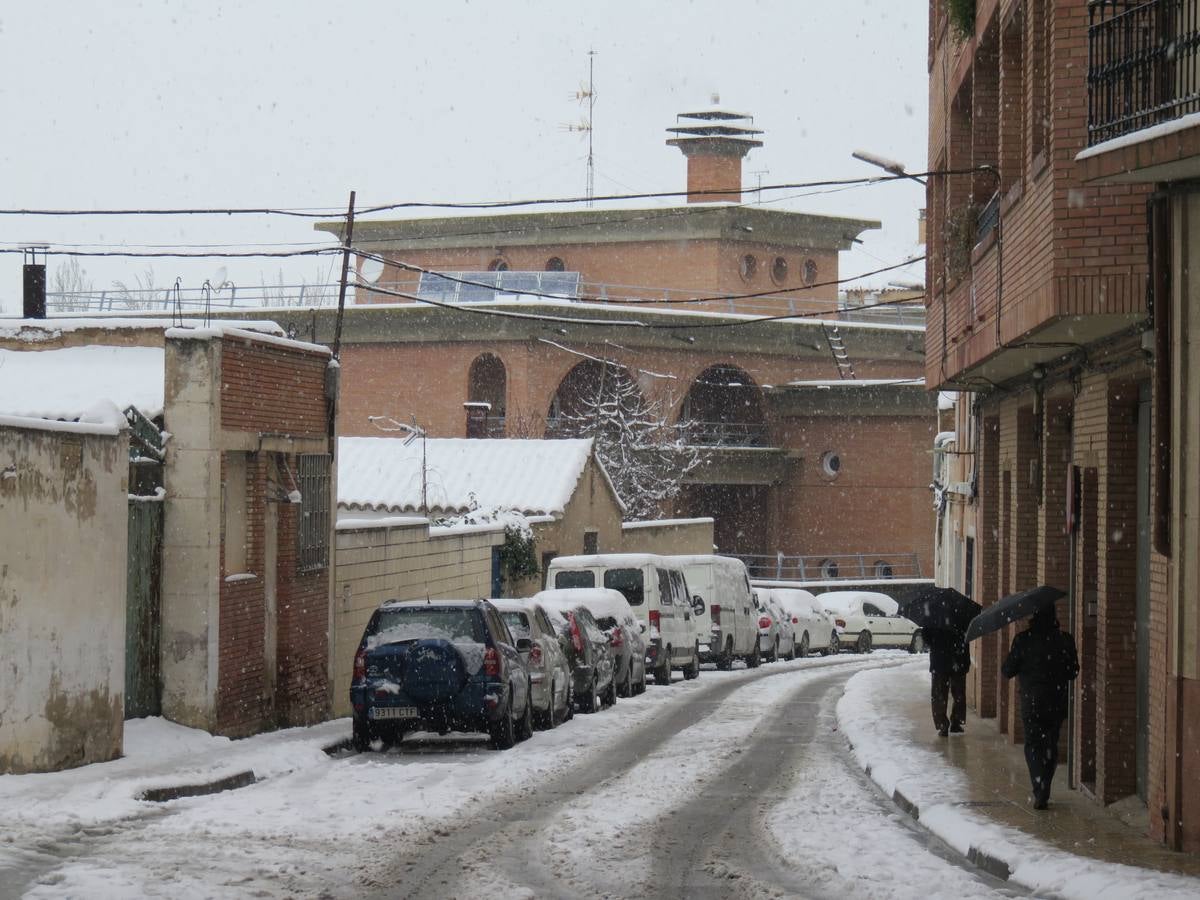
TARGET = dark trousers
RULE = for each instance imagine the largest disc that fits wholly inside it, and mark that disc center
(1041, 753)
(942, 686)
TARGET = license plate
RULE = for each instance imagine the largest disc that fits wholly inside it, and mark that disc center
(394, 712)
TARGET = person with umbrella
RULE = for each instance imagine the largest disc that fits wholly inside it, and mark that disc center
(944, 614)
(1043, 658)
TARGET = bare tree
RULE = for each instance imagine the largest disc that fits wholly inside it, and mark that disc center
(646, 457)
(143, 294)
(70, 287)
(306, 294)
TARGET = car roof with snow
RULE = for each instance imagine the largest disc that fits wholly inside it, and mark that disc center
(614, 560)
(795, 597)
(701, 559)
(849, 601)
(509, 604)
(601, 602)
(432, 601)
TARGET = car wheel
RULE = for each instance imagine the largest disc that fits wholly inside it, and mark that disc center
(524, 730)
(803, 651)
(918, 643)
(725, 660)
(610, 696)
(662, 675)
(626, 688)
(835, 643)
(591, 702)
(569, 707)
(863, 645)
(692, 669)
(773, 656)
(753, 660)
(360, 737)
(503, 733)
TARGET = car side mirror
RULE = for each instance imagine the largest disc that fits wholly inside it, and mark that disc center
(697, 604)
(642, 626)
(524, 644)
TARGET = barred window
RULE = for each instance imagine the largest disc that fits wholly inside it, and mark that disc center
(312, 551)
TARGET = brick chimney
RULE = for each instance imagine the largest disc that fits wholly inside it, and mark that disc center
(714, 142)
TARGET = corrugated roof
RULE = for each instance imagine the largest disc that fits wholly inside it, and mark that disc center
(534, 477)
(64, 384)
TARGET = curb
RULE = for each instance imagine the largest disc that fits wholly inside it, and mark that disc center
(179, 791)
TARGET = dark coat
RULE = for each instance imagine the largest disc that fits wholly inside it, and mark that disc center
(948, 653)
(1044, 659)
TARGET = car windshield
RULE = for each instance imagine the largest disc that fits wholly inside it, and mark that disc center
(629, 582)
(414, 623)
(574, 579)
(517, 622)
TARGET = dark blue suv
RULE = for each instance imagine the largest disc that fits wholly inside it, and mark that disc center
(441, 665)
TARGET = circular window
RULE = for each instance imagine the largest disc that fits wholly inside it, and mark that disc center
(555, 264)
(829, 568)
(810, 271)
(499, 264)
(748, 266)
(883, 569)
(831, 464)
(779, 270)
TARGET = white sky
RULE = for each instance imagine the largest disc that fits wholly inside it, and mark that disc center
(152, 104)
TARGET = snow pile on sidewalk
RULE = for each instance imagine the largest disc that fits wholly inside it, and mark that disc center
(874, 723)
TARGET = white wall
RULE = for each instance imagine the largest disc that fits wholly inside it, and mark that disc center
(63, 539)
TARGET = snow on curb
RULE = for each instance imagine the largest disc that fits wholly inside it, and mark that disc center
(930, 791)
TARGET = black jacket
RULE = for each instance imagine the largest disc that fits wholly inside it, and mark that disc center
(948, 654)
(1043, 657)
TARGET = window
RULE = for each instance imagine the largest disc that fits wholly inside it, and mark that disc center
(831, 464)
(883, 569)
(591, 543)
(499, 264)
(233, 501)
(969, 566)
(629, 582)
(517, 622)
(555, 264)
(779, 270)
(829, 568)
(810, 271)
(748, 267)
(576, 579)
(312, 550)
(870, 609)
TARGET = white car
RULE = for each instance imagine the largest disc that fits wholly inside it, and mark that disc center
(865, 620)
(775, 635)
(812, 627)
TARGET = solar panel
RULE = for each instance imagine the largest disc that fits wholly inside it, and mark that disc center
(481, 287)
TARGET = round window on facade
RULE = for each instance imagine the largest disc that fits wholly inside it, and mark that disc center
(829, 568)
(831, 464)
(555, 264)
(779, 270)
(748, 266)
(883, 569)
(499, 264)
(810, 271)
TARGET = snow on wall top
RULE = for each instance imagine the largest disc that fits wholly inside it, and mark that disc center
(529, 476)
(67, 383)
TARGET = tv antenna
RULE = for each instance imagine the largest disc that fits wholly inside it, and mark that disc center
(587, 94)
(758, 191)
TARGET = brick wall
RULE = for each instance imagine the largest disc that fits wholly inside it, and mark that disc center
(270, 388)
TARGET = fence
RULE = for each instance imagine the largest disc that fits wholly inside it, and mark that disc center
(834, 567)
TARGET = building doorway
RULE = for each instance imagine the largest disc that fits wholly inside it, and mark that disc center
(1142, 620)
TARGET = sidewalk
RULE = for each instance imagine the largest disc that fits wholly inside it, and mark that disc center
(972, 791)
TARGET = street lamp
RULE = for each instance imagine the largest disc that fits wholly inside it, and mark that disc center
(888, 165)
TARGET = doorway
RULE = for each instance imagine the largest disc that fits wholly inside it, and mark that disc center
(1142, 621)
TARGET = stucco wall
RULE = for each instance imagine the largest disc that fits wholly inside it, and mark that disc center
(401, 562)
(668, 537)
(63, 527)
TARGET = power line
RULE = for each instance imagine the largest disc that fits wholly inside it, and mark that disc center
(174, 254)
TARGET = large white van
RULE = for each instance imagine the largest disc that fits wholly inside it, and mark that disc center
(656, 589)
(724, 617)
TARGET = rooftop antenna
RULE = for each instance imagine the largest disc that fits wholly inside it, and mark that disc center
(586, 125)
(759, 173)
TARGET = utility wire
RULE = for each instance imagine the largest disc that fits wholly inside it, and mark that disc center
(176, 254)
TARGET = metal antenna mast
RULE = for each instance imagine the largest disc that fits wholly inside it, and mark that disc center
(587, 125)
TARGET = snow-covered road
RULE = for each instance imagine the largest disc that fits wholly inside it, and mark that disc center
(735, 784)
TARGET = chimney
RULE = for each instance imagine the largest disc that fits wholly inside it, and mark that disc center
(34, 293)
(714, 142)
(477, 418)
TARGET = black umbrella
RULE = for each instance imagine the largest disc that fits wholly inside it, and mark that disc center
(1011, 608)
(941, 608)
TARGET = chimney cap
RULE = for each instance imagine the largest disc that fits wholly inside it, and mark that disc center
(711, 130)
(715, 114)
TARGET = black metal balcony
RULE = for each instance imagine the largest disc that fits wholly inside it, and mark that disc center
(1142, 64)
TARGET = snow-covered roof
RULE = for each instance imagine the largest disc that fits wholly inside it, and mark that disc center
(859, 383)
(600, 602)
(530, 476)
(946, 399)
(66, 383)
(36, 331)
(610, 560)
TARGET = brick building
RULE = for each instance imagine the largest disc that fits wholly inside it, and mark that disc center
(795, 465)
(1045, 307)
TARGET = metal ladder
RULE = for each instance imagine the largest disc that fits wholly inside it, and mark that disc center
(833, 337)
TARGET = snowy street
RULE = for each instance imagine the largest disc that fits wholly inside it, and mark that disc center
(737, 784)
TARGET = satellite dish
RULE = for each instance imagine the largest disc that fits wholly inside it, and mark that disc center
(371, 270)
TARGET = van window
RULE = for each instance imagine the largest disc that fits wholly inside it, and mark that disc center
(575, 579)
(665, 594)
(629, 582)
(517, 622)
(681, 594)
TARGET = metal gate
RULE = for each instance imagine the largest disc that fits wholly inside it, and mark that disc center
(143, 684)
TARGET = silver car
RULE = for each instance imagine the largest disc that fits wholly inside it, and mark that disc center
(549, 671)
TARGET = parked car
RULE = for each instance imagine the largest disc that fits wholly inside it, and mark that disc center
(586, 647)
(775, 636)
(865, 620)
(549, 671)
(657, 591)
(613, 613)
(442, 665)
(722, 608)
(812, 626)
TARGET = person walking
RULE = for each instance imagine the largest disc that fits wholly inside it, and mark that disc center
(1043, 658)
(949, 662)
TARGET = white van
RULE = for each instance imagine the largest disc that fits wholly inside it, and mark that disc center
(656, 589)
(724, 617)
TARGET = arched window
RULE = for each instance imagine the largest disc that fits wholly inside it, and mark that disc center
(590, 390)
(499, 264)
(555, 264)
(779, 270)
(487, 382)
(724, 407)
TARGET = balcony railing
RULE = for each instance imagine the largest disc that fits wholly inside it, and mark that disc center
(836, 567)
(1142, 64)
(725, 434)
